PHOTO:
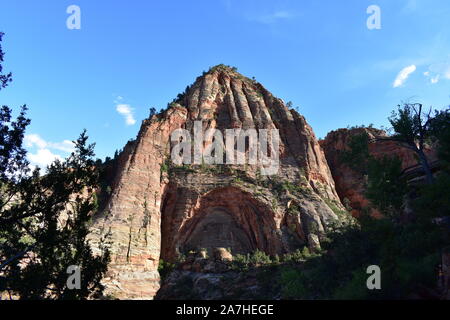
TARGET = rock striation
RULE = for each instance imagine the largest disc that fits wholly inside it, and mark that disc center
(159, 210)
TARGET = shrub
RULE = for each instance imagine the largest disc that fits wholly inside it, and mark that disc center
(165, 268)
(294, 257)
(255, 259)
(334, 207)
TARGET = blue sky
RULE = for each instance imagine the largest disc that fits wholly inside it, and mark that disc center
(131, 55)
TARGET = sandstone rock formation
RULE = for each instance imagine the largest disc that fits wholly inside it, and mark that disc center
(160, 211)
(350, 185)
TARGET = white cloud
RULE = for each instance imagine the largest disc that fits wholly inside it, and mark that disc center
(438, 71)
(118, 100)
(127, 112)
(442, 69)
(403, 75)
(66, 146)
(43, 158)
(32, 140)
(43, 155)
(435, 79)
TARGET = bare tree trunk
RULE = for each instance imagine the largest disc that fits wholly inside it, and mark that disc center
(426, 166)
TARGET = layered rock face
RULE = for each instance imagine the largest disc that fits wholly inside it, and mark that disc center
(350, 184)
(161, 210)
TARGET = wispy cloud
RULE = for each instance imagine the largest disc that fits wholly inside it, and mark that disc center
(44, 155)
(43, 158)
(435, 79)
(32, 140)
(410, 6)
(125, 110)
(273, 17)
(403, 75)
(438, 71)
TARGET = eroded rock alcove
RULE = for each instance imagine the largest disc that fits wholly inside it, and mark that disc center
(225, 217)
(217, 228)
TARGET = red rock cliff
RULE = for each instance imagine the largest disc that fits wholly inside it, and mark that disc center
(350, 184)
(158, 210)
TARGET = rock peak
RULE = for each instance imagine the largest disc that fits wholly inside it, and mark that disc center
(233, 100)
(223, 68)
(158, 210)
(225, 71)
(214, 73)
